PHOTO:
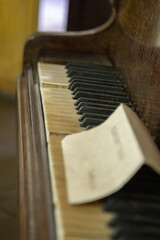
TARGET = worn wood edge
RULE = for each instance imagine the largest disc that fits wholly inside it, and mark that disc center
(36, 219)
(22, 232)
(42, 151)
(88, 32)
(84, 41)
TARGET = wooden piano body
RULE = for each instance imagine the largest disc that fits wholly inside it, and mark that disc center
(131, 40)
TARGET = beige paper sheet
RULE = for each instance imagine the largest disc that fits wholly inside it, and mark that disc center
(102, 160)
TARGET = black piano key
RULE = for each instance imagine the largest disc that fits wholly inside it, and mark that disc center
(93, 115)
(97, 91)
(90, 70)
(96, 105)
(107, 82)
(97, 101)
(87, 66)
(94, 110)
(92, 75)
(91, 121)
(106, 97)
(73, 86)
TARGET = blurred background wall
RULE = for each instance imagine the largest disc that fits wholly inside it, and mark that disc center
(18, 20)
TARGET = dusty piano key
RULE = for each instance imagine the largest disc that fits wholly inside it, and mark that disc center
(53, 75)
(99, 103)
(101, 97)
(87, 109)
(92, 75)
(91, 68)
(99, 81)
(93, 115)
(97, 91)
(100, 84)
(91, 121)
(63, 119)
(96, 105)
(73, 86)
(96, 101)
(72, 71)
(88, 66)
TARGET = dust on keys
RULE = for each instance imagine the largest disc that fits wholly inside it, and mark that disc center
(78, 222)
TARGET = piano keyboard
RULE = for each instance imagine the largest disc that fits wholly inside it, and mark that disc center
(76, 97)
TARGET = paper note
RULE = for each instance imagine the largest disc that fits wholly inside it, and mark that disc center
(100, 161)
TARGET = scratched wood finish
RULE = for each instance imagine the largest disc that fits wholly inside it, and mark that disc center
(137, 59)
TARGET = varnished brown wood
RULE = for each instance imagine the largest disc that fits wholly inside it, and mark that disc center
(91, 41)
(134, 49)
(35, 207)
(136, 55)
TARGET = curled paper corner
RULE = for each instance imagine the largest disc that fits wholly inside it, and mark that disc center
(102, 160)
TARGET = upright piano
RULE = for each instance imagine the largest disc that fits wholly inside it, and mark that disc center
(72, 82)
